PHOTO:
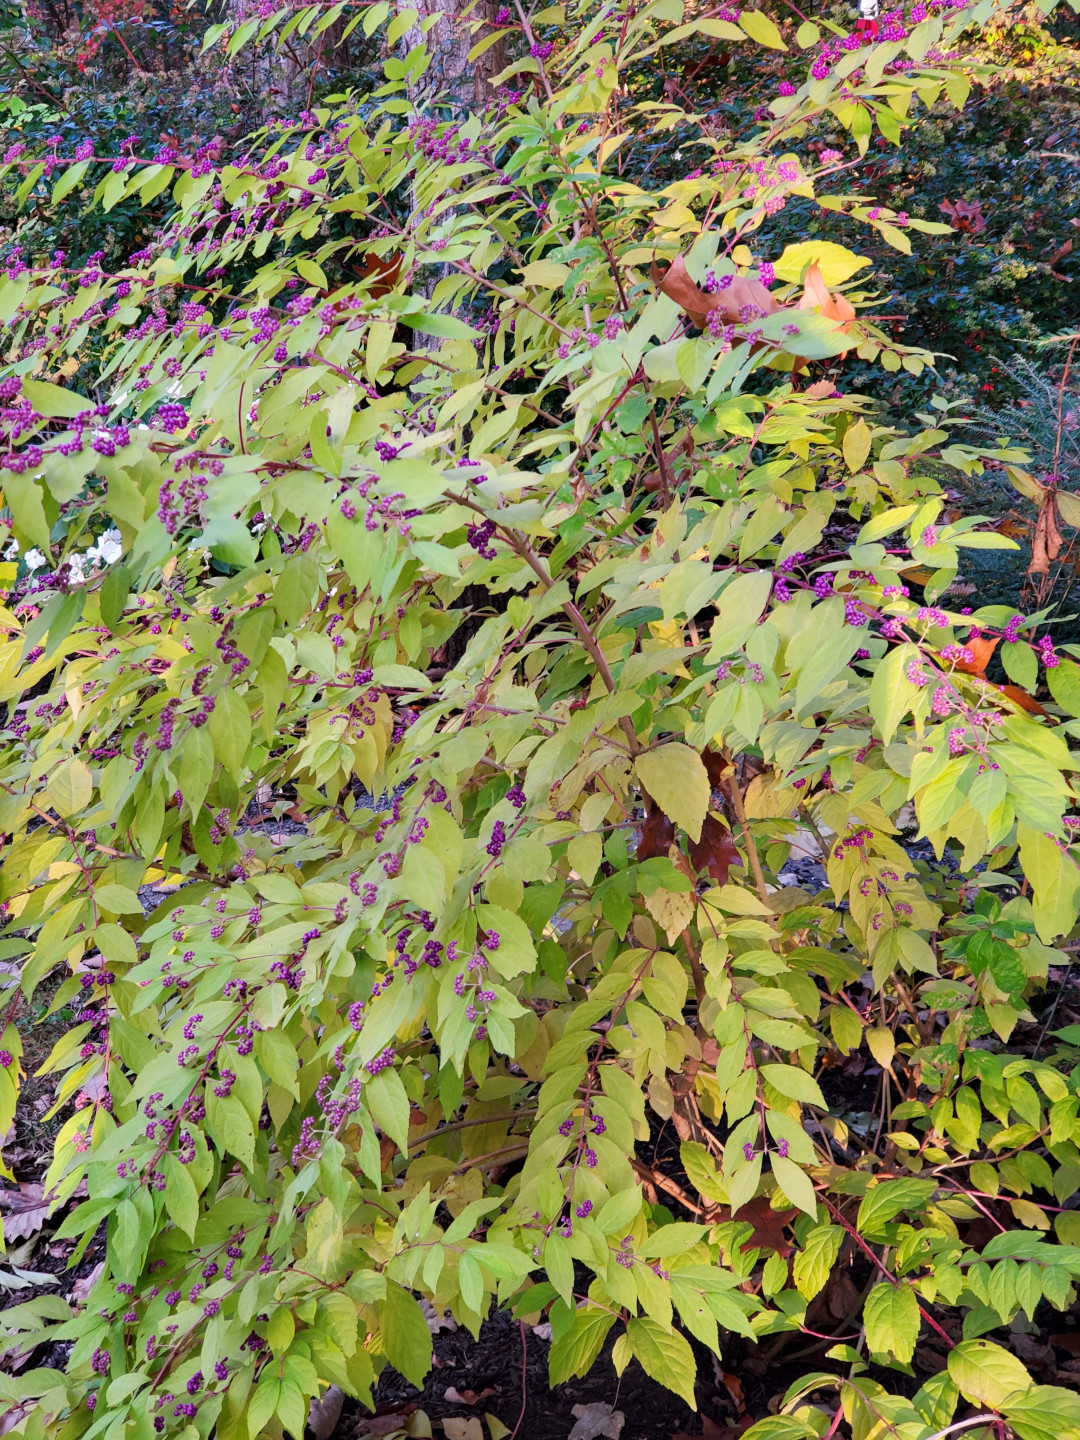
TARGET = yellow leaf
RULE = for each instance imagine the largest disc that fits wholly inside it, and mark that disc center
(547, 274)
(835, 262)
(672, 911)
(882, 1045)
(675, 777)
(760, 28)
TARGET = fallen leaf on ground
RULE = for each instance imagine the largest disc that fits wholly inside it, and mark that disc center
(466, 1397)
(324, 1413)
(733, 1385)
(468, 1428)
(596, 1419)
(23, 1210)
(385, 1424)
(710, 1430)
(436, 1322)
(80, 1291)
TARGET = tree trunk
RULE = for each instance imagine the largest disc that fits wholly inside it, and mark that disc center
(464, 84)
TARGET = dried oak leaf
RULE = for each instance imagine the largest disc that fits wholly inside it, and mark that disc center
(656, 836)
(674, 281)
(768, 1226)
(380, 271)
(715, 852)
(965, 215)
(24, 1211)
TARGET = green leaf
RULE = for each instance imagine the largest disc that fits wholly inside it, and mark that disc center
(389, 1106)
(559, 1266)
(1044, 1412)
(230, 730)
(794, 1183)
(115, 589)
(617, 1214)
(295, 588)
(885, 1201)
(985, 1373)
(665, 1356)
(701, 1171)
(814, 1262)
(891, 692)
(796, 1084)
(892, 1321)
(760, 28)
(24, 499)
(181, 1196)
(446, 327)
(54, 400)
(676, 778)
(118, 899)
(405, 1334)
(71, 788)
(574, 1351)
(196, 766)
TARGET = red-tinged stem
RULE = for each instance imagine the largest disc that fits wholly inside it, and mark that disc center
(892, 1279)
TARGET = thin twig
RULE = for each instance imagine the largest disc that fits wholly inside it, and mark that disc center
(524, 1364)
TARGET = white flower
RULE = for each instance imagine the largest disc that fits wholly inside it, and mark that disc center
(107, 550)
(35, 560)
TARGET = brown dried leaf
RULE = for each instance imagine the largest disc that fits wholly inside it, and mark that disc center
(656, 836)
(381, 271)
(715, 766)
(715, 852)
(733, 1385)
(1046, 542)
(768, 1225)
(325, 1412)
(965, 215)
(24, 1211)
(817, 296)
(595, 1420)
(697, 304)
(386, 1424)
(80, 1291)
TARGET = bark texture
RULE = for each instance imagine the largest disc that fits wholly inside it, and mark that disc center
(463, 83)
